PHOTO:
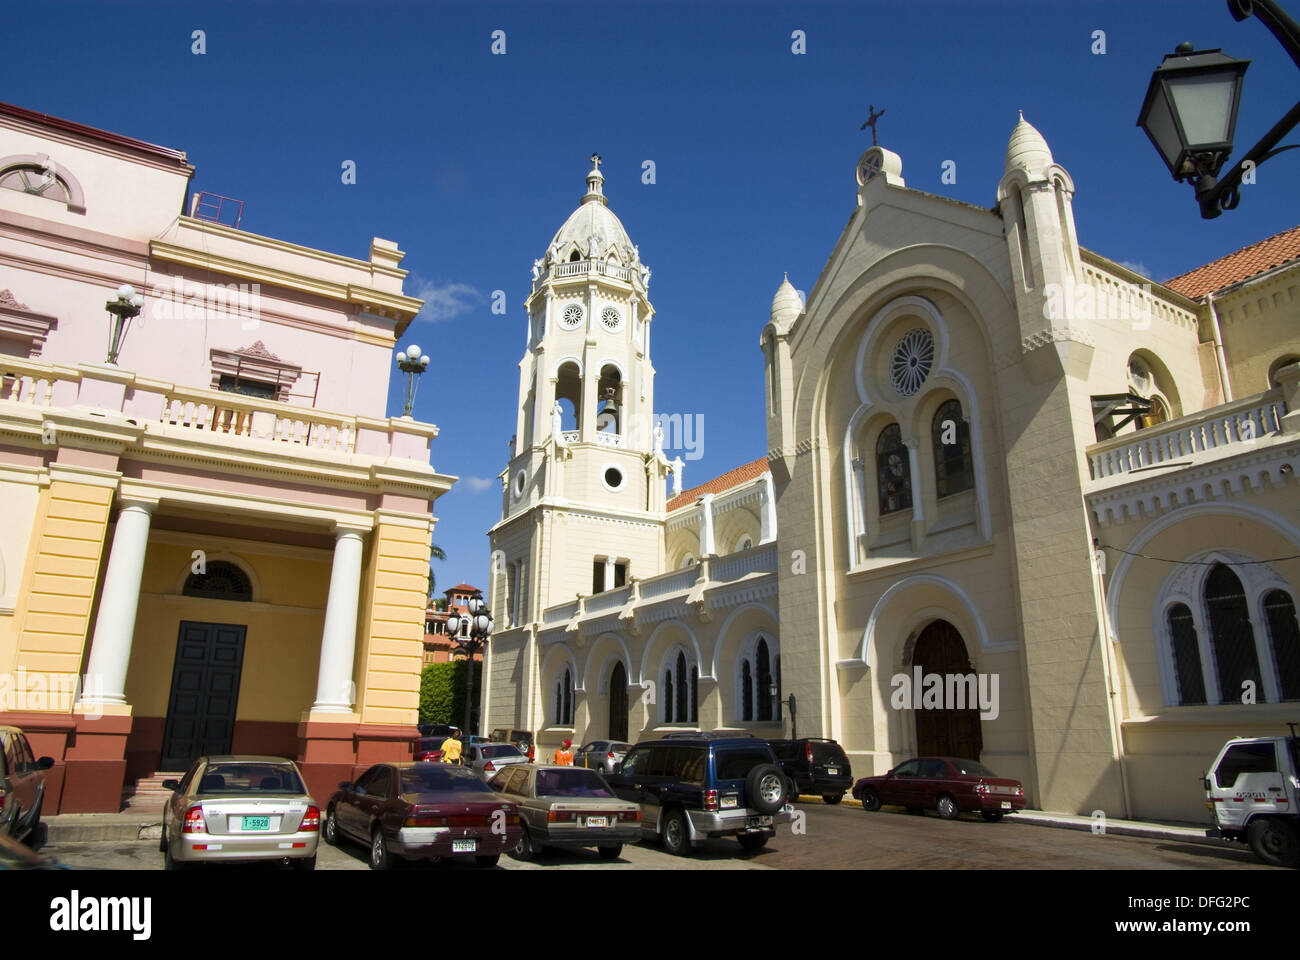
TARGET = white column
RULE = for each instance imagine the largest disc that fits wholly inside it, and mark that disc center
(609, 573)
(860, 508)
(339, 641)
(914, 466)
(546, 325)
(706, 526)
(767, 522)
(110, 650)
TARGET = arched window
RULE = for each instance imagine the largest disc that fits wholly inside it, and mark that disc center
(744, 543)
(950, 433)
(1232, 638)
(746, 693)
(221, 581)
(1187, 655)
(668, 695)
(564, 700)
(575, 256)
(1284, 637)
(764, 682)
(681, 687)
(893, 472)
(759, 672)
(681, 690)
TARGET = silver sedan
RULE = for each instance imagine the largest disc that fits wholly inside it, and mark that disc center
(240, 808)
(602, 755)
(488, 758)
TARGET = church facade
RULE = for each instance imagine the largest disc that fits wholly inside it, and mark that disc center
(1020, 504)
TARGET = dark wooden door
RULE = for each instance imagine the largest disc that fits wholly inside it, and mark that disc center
(618, 703)
(205, 692)
(945, 732)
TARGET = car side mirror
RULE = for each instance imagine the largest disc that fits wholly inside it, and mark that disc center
(347, 786)
(889, 773)
(44, 763)
(171, 784)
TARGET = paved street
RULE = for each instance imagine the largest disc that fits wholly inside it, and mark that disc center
(842, 837)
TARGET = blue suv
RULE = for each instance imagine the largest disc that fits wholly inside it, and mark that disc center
(698, 785)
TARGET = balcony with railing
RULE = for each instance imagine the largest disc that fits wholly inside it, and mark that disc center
(581, 268)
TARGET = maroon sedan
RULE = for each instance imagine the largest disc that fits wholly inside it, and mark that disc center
(422, 810)
(945, 784)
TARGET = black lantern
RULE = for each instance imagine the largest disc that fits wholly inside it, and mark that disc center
(1190, 111)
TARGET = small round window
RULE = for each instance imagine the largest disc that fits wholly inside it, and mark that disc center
(520, 480)
(612, 477)
(610, 319)
(912, 361)
(571, 318)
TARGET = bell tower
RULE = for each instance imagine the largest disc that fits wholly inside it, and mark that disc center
(586, 451)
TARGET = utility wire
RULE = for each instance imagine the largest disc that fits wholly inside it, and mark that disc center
(1200, 563)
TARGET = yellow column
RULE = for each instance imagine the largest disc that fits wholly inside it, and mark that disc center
(392, 622)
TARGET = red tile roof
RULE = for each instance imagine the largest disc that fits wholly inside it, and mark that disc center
(1242, 265)
(462, 588)
(732, 478)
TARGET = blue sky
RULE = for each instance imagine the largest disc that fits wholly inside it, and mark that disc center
(471, 161)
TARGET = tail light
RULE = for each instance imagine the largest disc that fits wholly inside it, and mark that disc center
(981, 788)
(194, 822)
(633, 816)
(489, 767)
(425, 817)
(560, 816)
(531, 753)
(310, 820)
(807, 752)
(610, 755)
(710, 800)
(1020, 791)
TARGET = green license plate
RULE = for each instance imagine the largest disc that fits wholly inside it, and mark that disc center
(257, 823)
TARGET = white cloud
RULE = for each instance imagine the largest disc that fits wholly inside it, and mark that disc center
(479, 484)
(446, 302)
(1135, 266)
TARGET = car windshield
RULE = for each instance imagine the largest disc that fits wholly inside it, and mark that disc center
(430, 743)
(969, 768)
(620, 747)
(439, 778)
(571, 783)
(503, 750)
(824, 752)
(238, 779)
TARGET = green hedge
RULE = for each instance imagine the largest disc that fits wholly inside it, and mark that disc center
(442, 692)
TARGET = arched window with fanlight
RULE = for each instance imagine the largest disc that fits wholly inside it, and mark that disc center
(1284, 638)
(681, 689)
(950, 434)
(1232, 636)
(893, 471)
(220, 580)
(759, 672)
(564, 699)
(1186, 654)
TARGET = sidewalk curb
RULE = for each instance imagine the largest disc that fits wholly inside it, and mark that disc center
(1152, 831)
(71, 828)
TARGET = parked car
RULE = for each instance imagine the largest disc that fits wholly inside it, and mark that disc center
(487, 758)
(523, 739)
(704, 785)
(422, 810)
(428, 748)
(816, 766)
(602, 755)
(945, 784)
(1251, 791)
(567, 807)
(22, 786)
(240, 808)
(18, 856)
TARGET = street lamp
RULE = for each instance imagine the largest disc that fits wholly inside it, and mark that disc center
(124, 309)
(412, 363)
(472, 632)
(1190, 111)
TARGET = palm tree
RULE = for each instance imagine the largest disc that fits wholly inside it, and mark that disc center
(435, 553)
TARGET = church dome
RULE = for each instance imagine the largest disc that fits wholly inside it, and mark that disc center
(1027, 150)
(593, 218)
(786, 305)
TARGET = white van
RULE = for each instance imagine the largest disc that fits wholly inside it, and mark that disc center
(1253, 790)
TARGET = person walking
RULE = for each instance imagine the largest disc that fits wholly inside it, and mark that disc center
(564, 755)
(451, 748)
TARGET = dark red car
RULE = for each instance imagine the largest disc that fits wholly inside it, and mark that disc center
(945, 784)
(428, 748)
(422, 810)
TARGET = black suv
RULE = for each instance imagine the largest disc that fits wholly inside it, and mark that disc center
(816, 766)
(693, 786)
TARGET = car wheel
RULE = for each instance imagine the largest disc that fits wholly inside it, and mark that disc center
(331, 832)
(752, 841)
(379, 857)
(992, 816)
(947, 807)
(610, 851)
(676, 840)
(305, 863)
(870, 800)
(524, 849)
(766, 790)
(489, 860)
(832, 798)
(1274, 841)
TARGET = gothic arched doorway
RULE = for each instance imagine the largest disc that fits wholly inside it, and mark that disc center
(946, 732)
(618, 703)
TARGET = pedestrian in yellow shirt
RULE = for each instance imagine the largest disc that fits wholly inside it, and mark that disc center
(564, 755)
(451, 748)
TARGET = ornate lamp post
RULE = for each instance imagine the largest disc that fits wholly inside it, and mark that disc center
(412, 363)
(472, 633)
(1190, 111)
(124, 309)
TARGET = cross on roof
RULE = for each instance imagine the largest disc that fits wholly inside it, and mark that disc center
(595, 160)
(871, 122)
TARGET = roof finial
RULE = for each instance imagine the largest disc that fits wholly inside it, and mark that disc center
(594, 180)
(1022, 116)
(595, 161)
(871, 122)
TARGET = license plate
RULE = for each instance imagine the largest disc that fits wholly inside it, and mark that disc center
(256, 823)
(833, 771)
(758, 821)
(729, 803)
(464, 846)
(596, 821)
(1006, 804)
